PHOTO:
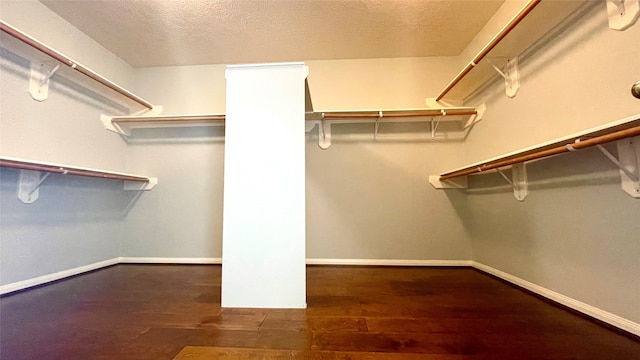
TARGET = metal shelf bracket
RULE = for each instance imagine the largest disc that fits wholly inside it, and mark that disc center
(622, 13)
(39, 80)
(628, 162)
(377, 125)
(113, 127)
(480, 110)
(518, 180)
(29, 182)
(324, 134)
(510, 75)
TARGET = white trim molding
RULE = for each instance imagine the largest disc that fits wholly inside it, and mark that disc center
(21, 285)
(388, 262)
(592, 311)
(169, 260)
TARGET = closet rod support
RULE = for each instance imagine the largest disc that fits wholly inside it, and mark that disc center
(622, 14)
(434, 128)
(499, 71)
(29, 182)
(37, 186)
(518, 180)
(613, 159)
(324, 133)
(39, 80)
(506, 178)
(510, 75)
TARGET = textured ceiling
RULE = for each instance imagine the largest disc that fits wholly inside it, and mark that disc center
(189, 32)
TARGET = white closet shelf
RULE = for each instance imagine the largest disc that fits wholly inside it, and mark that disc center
(615, 131)
(393, 115)
(125, 124)
(34, 165)
(465, 116)
(45, 58)
(529, 25)
(33, 173)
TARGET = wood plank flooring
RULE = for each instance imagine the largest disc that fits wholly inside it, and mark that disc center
(173, 312)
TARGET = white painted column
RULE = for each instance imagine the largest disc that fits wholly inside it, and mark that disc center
(263, 236)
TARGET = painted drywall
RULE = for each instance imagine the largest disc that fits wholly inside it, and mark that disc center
(365, 199)
(35, 19)
(496, 23)
(371, 200)
(76, 221)
(577, 232)
(263, 238)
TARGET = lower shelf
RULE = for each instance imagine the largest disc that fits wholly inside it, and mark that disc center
(34, 173)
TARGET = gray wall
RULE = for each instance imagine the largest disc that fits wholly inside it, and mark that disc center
(365, 199)
(577, 232)
(76, 221)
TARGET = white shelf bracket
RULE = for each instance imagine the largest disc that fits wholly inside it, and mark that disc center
(518, 180)
(377, 125)
(473, 119)
(510, 75)
(111, 126)
(324, 134)
(126, 132)
(628, 162)
(434, 125)
(140, 186)
(455, 183)
(622, 13)
(39, 80)
(29, 182)
(309, 125)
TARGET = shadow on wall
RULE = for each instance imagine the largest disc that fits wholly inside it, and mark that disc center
(548, 51)
(397, 132)
(373, 201)
(571, 188)
(19, 67)
(64, 199)
(586, 167)
(177, 135)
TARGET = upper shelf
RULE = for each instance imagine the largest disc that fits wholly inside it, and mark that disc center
(125, 124)
(528, 26)
(39, 51)
(392, 115)
(465, 116)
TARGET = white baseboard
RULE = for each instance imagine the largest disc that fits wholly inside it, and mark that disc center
(158, 260)
(387, 262)
(21, 285)
(584, 308)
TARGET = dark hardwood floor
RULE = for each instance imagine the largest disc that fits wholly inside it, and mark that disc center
(173, 311)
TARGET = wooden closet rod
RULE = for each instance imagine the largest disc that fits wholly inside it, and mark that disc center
(577, 145)
(398, 114)
(495, 41)
(69, 170)
(71, 63)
